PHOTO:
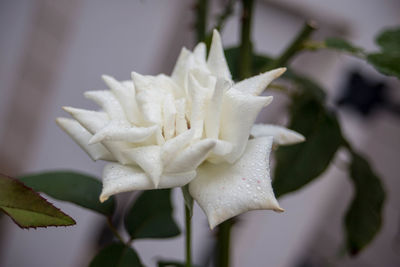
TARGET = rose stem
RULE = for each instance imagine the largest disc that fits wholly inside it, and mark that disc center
(201, 19)
(245, 50)
(114, 230)
(188, 221)
(294, 47)
(223, 243)
(201, 8)
(245, 62)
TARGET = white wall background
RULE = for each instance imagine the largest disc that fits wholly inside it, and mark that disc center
(145, 36)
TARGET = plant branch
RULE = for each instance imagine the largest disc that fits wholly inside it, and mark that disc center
(188, 237)
(114, 230)
(245, 52)
(228, 11)
(201, 19)
(294, 47)
(223, 243)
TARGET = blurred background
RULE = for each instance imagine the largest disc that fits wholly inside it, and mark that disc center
(52, 51)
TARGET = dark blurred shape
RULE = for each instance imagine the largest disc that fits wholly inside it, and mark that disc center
(365, 95)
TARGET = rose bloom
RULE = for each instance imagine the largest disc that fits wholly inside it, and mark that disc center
(192, 127)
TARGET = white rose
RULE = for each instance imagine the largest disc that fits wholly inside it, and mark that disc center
(191, 127)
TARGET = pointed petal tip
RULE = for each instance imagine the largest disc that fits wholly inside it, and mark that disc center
(103, 198)
(211, 226)
(268, 100)
(96, 139)
(136, 76)
(70, 110)
(279, 71)
(300, 138)
(278, 209)
(106, 77)
(89, 94)
(133, 74)
(215, 32)
(108, 80)
(60, 121)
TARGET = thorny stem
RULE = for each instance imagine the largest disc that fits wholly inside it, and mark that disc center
(245, 52)
(294, 47)
(188, 237)
(225, 14)
(245, 67)
(201, 19)
(114, 230)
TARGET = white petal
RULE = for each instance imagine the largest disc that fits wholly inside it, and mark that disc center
(166, 84)
(221, 149)
(149, 159)
(180, 119)
(108, 101)
(191, 157)
(118, 178)
(148, 98)
(169, 114)
(204, 78)
(282, 135)
(120, 131)
(257, 84)
(224, 190)
(200, 52)
(198, 95)
(125, 93)
(93, 121)
(239, 111)
(213, 113)
(81, 136)
(180, 72)
(171, 147)
(216, 61)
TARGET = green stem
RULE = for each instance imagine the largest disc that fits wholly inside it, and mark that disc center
(114, 230)
(245, 51)
(228, 11)
(294, 47)
(188, 225)
(201, 19)
(223, 243)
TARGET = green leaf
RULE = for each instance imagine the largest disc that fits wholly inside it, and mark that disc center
(116, 255)
(342, 45)
(77, 188)
(389, 41)
(27, 208)
(386, 63)
(173, 264)
(151, 216)
(299, 164)
(364, 217)
(188, 199)
(170, 264)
